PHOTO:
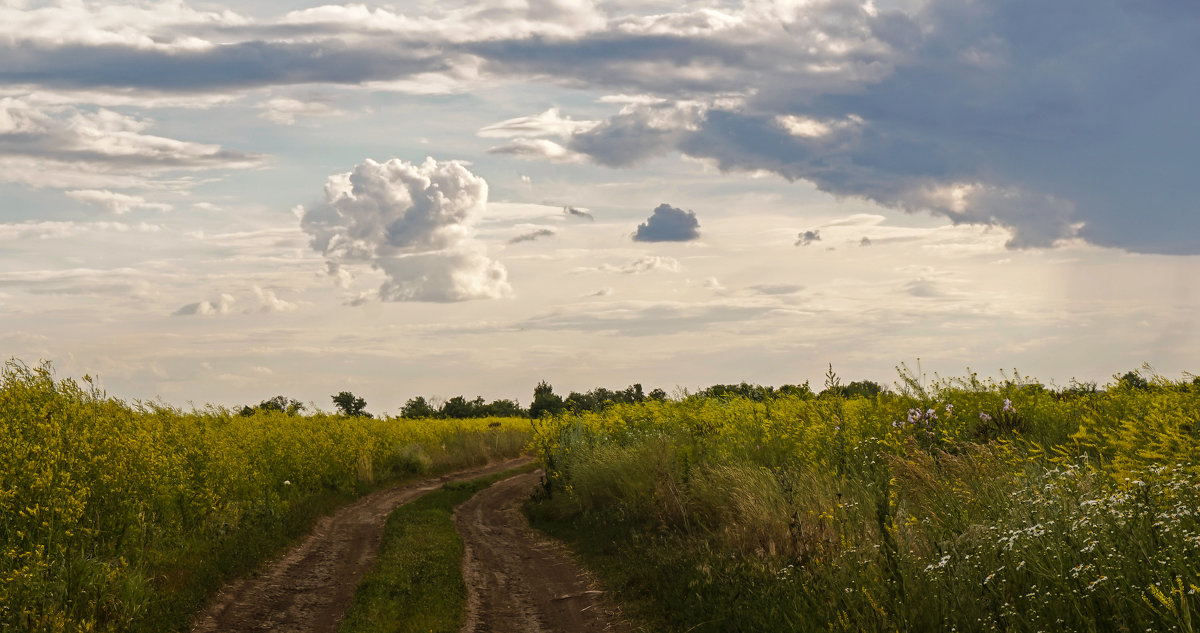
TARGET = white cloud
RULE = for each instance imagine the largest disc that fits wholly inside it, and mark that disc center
(284, 111)
(415, 223)
(118, 203)
(91, 148)
(268, 302)
(145, 26)
(644, 264)
(58, 230)
(219, 306)
(538, 149)
(548, 123)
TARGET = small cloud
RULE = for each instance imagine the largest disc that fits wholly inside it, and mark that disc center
(645, 264)
(118, 203)
(648, 263)
(924, 287)
(603, 292)
(531, 236)
(548, 123)
(526, 179)
(268, 302)
(808, 237)
(222, 305)
(362, 298)
(285, 111)
(712, 284)
(342, 276)
(576, 212)
(668, 224)
(538, 149)
(776, 289)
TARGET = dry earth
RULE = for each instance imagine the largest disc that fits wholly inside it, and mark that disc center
(309, 588)
(519, 580)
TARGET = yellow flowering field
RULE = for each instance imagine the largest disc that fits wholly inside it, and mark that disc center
(962, 505)
(123, 517)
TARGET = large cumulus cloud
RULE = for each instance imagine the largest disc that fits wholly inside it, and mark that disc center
(414, 223)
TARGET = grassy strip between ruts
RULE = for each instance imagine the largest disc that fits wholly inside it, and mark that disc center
(416, 582)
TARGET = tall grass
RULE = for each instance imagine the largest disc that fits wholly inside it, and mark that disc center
(119, 517)
(963, 505)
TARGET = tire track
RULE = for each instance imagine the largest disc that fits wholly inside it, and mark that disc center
(520, 580)
(308, 589)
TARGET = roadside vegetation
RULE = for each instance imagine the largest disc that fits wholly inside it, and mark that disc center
(416, 584)
(120, 516)
(955, 505)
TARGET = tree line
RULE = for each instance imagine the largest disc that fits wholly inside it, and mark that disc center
(546, 402)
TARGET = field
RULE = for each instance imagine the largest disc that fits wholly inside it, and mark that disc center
(951, 505)
(962, 505)
(125, 517)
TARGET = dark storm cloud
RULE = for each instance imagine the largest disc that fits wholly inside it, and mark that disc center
(808, 237)
(668, 224)
(578, 213)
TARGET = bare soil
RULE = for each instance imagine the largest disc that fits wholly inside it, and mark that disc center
(520, 580)
(309, 588)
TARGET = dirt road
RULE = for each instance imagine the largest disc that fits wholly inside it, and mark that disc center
(310, 587)
(519, 580)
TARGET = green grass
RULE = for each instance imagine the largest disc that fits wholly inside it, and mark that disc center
(965, 507)
(416, 582)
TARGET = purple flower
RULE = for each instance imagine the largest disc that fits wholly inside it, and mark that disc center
(1008, 405)
(949, 409)
(984, 416)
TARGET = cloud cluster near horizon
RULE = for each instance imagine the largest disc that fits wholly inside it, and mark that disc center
(412, 222)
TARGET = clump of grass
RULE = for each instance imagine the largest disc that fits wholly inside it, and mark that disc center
(416, 582)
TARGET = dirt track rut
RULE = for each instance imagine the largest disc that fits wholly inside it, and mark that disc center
(308, 589)
(519, 580)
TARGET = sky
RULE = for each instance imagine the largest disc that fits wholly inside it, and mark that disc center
(217, 203)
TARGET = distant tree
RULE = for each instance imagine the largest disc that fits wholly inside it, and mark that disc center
(863, 388)
(505, 409)
(458, 408)
(417, 408)
(657, 394)
(757, 393)
(545, 401)
(348, 404)
(1077, 390)
(1133, 380)
(801, 391)
(278, 403)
